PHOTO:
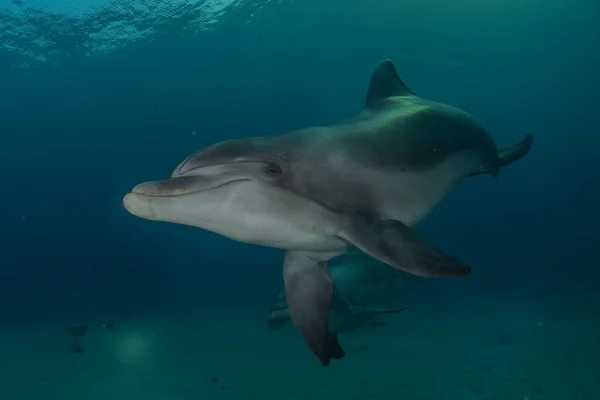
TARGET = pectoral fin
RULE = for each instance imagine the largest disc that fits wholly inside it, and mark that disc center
(309, 289)
(397, 245)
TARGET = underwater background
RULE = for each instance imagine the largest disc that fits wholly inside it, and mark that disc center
(98, 95)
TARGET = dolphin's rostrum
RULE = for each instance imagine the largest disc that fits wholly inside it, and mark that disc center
(316, 192)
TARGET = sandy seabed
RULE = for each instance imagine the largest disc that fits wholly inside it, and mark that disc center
(519, 351)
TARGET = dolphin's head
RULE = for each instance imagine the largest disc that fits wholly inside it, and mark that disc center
(231, 188)
(225, 164)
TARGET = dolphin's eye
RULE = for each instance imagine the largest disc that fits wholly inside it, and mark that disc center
(274, 169)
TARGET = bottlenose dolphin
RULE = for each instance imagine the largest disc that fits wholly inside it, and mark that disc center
(363, 289)
(319, 191)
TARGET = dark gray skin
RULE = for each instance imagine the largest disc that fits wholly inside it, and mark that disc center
(318, 192)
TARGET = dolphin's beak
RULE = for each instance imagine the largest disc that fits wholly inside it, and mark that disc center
(171, 187)
(148, 200)
(157, 200)
(197, 180)
(141, 206)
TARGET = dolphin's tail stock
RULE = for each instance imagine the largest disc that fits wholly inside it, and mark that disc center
(509, 155)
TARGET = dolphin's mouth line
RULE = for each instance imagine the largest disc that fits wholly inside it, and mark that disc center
(139, 189)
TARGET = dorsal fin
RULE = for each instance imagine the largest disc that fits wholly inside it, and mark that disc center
(385, 83)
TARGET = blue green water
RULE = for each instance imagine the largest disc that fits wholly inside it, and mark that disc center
(96, 97)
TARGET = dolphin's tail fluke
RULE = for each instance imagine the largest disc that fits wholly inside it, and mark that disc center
(277, 318)
(377, 310)
(390, 311)
(513, 153)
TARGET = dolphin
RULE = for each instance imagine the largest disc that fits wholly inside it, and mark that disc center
(363, 289)
(318, 192)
